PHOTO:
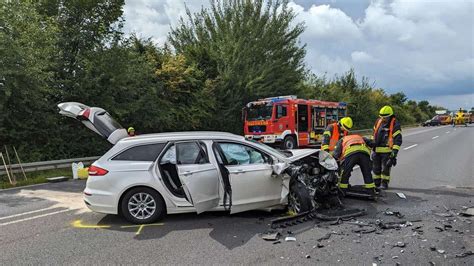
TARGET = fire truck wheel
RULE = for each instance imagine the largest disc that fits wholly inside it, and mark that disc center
(289, 143)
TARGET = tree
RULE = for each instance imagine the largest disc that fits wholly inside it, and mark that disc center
(250, 48)
(27, 48)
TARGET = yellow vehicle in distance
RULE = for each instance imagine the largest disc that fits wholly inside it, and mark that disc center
(461, 118)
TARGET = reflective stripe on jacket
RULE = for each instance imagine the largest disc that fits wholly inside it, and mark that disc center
(350, 144)
(387, 137)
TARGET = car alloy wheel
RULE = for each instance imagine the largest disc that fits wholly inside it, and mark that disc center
(141, 205)
(294, 203)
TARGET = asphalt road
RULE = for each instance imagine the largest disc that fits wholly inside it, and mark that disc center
(48, 224)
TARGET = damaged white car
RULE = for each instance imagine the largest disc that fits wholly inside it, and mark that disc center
(148, 176)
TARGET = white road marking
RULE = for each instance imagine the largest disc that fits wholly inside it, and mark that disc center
(35, 217)
(435, 137)
(409, 147)
(25, 213)
(423, 131)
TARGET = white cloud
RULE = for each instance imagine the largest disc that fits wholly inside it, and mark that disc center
(422, 47)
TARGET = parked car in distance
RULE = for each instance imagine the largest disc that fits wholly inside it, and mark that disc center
(148, 176)
(435, 121)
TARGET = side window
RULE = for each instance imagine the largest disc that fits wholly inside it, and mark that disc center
(238, 154)
(191, 153)
(169, 156)
(281, 111)
(145, 153)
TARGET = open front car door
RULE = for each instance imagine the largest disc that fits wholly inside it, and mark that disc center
(200, 178)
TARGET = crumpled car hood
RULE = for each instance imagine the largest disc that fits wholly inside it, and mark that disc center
(301, 153)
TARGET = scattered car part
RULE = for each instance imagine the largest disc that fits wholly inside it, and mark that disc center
(393, 213)
(271, 236)
(290, 239)
(464, 254)
(467, 212)
(401, 195)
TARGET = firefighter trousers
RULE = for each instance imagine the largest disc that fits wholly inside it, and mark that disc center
(361, 159)
(380, 168)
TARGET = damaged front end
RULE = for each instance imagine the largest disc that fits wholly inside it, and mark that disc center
(318, 175)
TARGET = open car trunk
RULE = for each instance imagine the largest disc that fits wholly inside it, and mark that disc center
(96, 119)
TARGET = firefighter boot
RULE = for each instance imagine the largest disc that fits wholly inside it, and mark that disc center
(377, 182)
(371, 192)
(384, 185)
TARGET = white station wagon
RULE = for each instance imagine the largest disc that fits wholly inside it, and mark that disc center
(148, 176)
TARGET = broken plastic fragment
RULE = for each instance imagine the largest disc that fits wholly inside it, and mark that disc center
(290, 239)
(465, 254)
(400, 244)
(401, 195)
(468, 212)
(271, 236)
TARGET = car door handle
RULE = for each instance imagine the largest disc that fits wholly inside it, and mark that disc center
(240, 171)
(186, 173)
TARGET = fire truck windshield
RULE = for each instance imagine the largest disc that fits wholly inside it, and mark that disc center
(260, 112)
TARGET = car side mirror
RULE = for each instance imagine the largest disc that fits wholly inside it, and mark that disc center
(278, 167)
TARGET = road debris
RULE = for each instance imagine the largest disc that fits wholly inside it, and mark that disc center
(364, 230)
(467, 212)
(290, 239)
(327, 236)
(418, 229)
(441, 251)
(271, 236)
(308, 256)
(443, 214)
(464, 254)
(276, 242)
(393, 213)
(401, 195)
(392, 225)
(400, 245)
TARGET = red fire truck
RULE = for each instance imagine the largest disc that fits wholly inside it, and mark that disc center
(290, 122)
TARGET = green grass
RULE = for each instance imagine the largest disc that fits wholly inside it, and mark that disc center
(37, 177)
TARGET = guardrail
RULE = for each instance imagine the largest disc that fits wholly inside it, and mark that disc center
(48, 165)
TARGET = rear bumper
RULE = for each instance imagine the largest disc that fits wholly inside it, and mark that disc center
(100, 202)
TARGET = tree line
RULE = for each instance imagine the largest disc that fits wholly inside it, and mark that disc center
(215, 61)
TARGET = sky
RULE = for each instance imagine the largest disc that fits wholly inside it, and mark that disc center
(424, 48)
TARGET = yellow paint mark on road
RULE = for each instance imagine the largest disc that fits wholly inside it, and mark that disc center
(78, 224)
(140, 227)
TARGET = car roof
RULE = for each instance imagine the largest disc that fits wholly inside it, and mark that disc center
(185, 135)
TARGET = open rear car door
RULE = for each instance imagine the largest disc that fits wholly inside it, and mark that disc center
(96, 119)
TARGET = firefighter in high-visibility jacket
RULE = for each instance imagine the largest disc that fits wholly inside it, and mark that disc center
(387, 139)
(350, 151)
(334, 132)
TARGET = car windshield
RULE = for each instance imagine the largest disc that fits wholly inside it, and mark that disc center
(286, 154)
(260, 112)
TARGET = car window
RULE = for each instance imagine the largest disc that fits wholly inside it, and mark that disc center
(146, 153)
(191, 153)
(238, 154)
(169, 156)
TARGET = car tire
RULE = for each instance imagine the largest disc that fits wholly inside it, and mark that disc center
(299, 200)
(289, 143)
(150, 204)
